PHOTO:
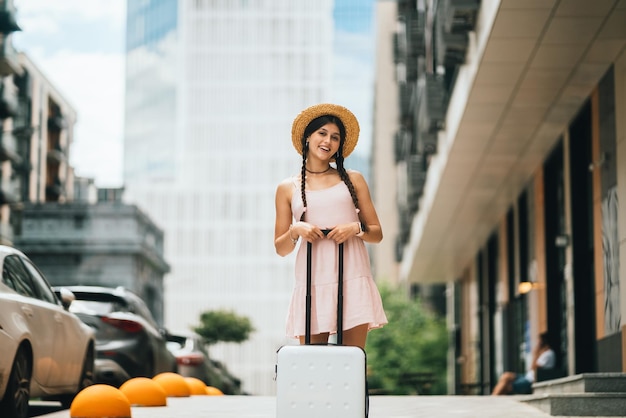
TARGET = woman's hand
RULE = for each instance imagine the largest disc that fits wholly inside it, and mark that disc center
(308, 232)
(342, 233)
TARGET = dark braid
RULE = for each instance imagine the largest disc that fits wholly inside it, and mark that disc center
(343, 174)
(305, 148)
(346, 179)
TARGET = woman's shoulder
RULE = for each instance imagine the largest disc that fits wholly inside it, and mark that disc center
(354, 174)
(287, 184)
(356, 177)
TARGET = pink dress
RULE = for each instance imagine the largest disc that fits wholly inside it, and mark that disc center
(362, 303)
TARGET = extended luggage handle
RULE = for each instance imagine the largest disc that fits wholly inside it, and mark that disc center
(307, 332)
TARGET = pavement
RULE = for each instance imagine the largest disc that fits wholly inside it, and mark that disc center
(380, 407)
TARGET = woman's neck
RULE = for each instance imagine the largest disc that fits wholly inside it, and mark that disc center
(322, 171)
(316, 166)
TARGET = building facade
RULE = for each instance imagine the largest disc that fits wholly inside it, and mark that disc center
(45, 120)
(385, 121)
(212, 89)
(509, 139)
(37, 130)
(9, 66)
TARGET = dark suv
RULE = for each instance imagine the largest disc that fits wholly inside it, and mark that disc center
(129, 342)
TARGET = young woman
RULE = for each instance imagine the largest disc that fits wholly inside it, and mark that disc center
(519, 384)
(321, 197)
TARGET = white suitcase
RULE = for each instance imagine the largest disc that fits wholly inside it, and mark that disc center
(321, 380)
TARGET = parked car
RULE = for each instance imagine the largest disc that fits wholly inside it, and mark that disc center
(193, 361)
(45, 351)
(129, 342)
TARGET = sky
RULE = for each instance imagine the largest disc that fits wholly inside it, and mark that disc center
(79, 46)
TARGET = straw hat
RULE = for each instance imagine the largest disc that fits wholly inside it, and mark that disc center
(307, 115)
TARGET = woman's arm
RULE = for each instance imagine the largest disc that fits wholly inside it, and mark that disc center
(283, 242)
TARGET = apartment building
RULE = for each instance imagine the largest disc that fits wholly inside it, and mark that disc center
(37, 129)
(508, 145)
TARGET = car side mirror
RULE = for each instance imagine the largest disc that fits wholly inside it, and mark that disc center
(65, 296)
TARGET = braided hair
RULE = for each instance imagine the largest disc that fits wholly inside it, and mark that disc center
(314, 125)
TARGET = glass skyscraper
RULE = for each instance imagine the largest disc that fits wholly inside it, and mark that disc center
(212, 87)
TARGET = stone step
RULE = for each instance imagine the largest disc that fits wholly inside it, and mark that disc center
(583, 383)
(580, 404)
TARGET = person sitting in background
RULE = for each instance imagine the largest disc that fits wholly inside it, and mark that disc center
(518, 384)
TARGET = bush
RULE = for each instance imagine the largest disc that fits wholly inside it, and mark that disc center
(404, 353)
(223, 326)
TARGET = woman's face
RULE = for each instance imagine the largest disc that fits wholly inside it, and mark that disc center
(324, 142)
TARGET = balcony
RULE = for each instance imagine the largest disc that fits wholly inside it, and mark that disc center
(405, 95)
(405, 219)
(456, 18)
(431, 111)
(54, 190)
(402, 144)
(8, 195)
(56, 155)
(56, 123)
(416, 178)
(8, 99)
(8, 57)
(23, 132)
(461, 15)
(8, 23)
(24, 85)
(6, 232)
(399, 48)
(8, 148)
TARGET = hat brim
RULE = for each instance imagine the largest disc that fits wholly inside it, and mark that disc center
(345, 116)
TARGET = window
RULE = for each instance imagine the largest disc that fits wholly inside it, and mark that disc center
(40, 283)
(16, 277)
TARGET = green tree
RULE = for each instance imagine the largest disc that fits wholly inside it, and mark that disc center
(414, 341)
(223, 326)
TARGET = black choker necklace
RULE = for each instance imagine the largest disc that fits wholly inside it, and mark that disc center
(317, 172)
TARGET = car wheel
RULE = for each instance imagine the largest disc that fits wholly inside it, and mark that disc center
(86, 378)
(15, 401)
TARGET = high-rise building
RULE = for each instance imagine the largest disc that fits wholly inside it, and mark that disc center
(211, 89)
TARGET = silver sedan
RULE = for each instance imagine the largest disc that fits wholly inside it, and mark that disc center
(45, 351)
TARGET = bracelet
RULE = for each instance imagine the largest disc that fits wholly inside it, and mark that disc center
(294, 241)
(361, 232)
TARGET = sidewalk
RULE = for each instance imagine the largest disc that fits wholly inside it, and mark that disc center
(381, 407)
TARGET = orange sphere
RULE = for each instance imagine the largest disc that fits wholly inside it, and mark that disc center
(100, 401)
(213, 391)
(174, 384)
(142, 391)
(196, 386)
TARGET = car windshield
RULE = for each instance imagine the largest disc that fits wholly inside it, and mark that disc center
(174, 345)
(91, 307)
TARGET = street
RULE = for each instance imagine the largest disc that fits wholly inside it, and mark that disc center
(381, 407)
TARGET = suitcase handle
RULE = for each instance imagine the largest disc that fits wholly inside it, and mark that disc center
(307, 332)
